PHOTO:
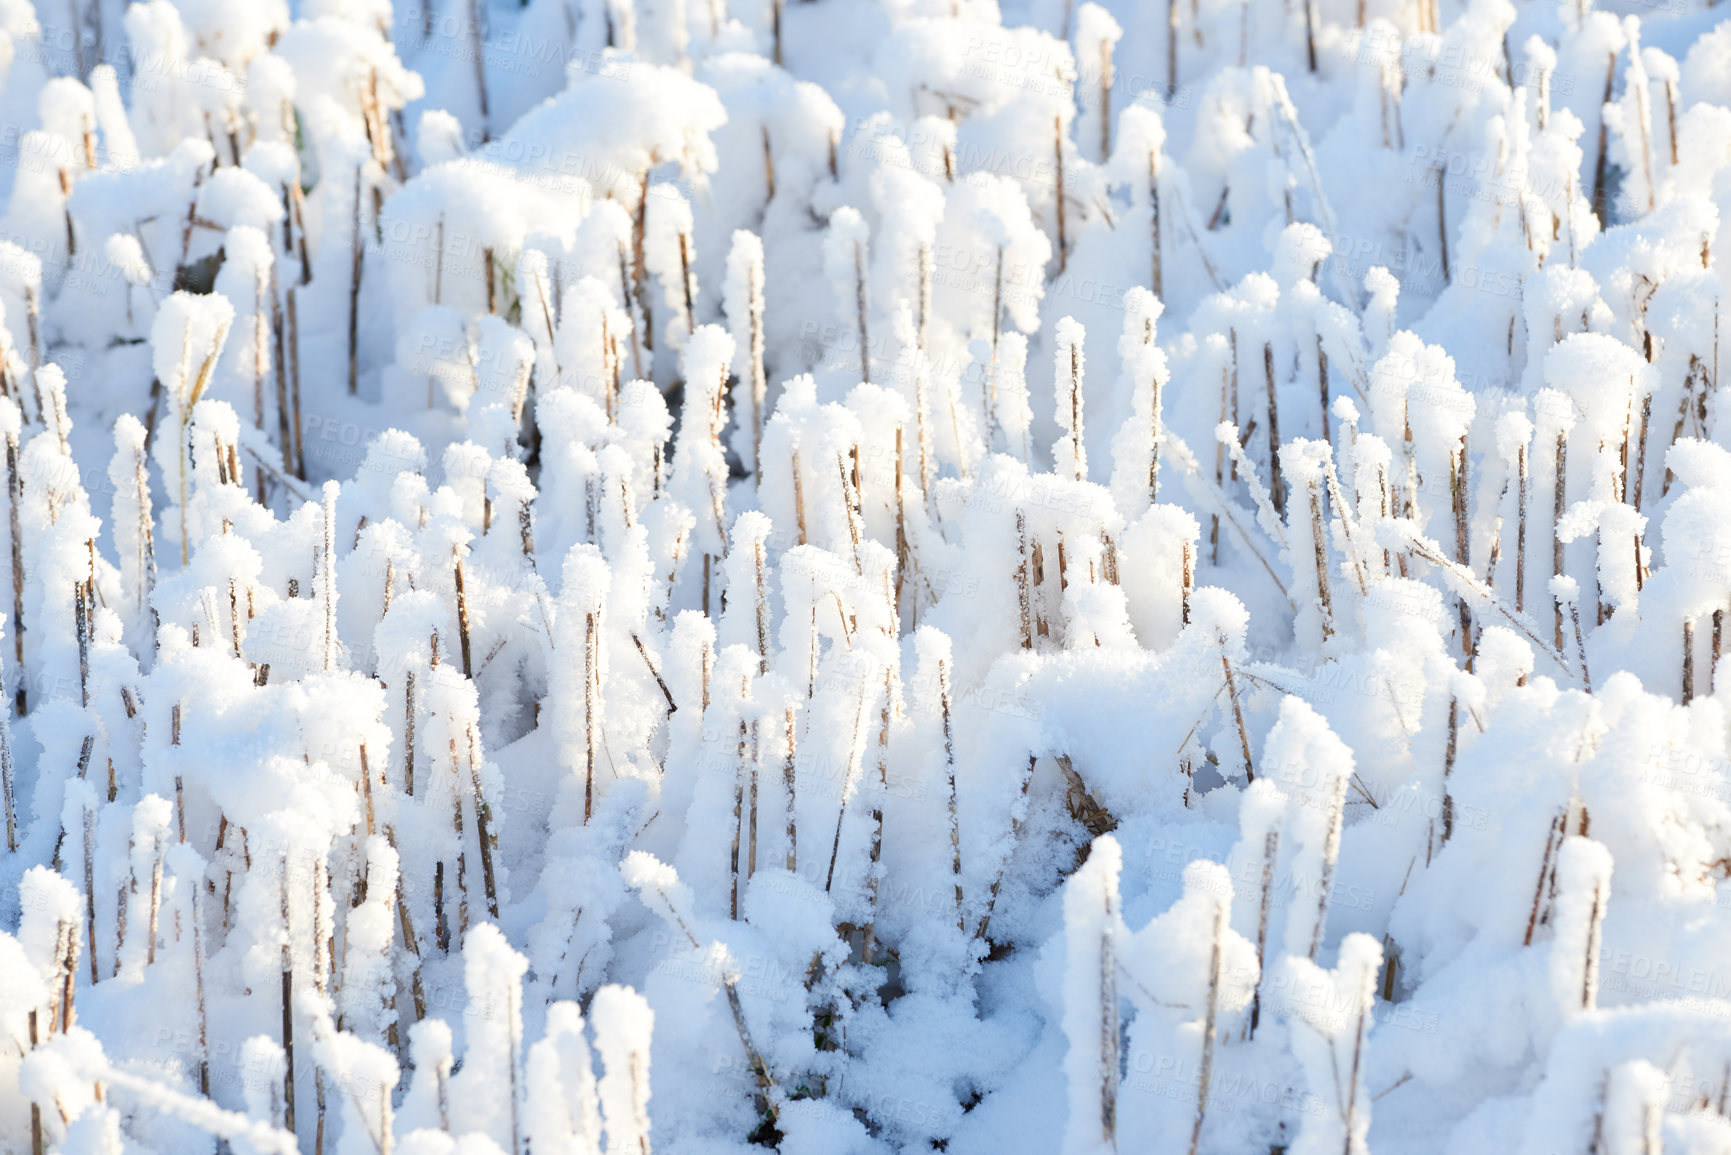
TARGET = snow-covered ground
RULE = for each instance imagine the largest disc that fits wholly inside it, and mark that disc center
(864, 576)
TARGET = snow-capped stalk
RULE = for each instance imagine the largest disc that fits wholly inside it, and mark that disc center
(462, 856)
(175, 324)
(846, 259)
(950, 780)
(279, 340)
(36, 1147)
(294, 362)
(357, 251)
(1265, 901)
(1450, 747)
(1070, 454)
(760, 603)
(644, 872)
(1458, 500)
(847, 785)
(591, 691)
(8, 791)
(624, 1025)
(87, 843)
(1688, 660)
(1319, 546)
(1172, 20)
(14, 503)
(328, 577)
(904, 547)
(1566, 592)
(1524, 481)
(129, 473)
(1063, 245)
(1601, 156)
(1538, 914)
(752, 768)
(1227, 372)
(1640, 468)
(1090, 1010)
(687, 280)
(1155, 387)
(1187, 581)
(922, 434)
(1106, 43)
(477, 53)
(462, 592)
(990, 409)
(798, 494)
(1322, 388)
(744, 305)
(1024, 587)
(1277, 489)
(741, 772)
(851, 505)
(1712, 668)
(1205, 1071)
(261, 341)
(484, 832)
(874, 870)
(923, 295)
(1237, 711)
(1016, 825)
(1330, 856)
(1581, 885)
(68, 974)
(1559, 503)
(33, 322)
(1442, 230)
(288, 1025)
(792, 825)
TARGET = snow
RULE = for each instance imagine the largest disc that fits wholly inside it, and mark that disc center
(596, 577)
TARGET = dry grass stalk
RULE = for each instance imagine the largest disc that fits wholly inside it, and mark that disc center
(950, 779)
(462, 610)
(1109, 1025)
(788, 735)
(1688, 660)
(1276, 487)
(477, 53)
(766, 1097)
(288, 1025)
(1319, 545)
(1157, 279)
(591, 694)
(1058, 198)
(998, 879)
(739, 776)
(1559, 503)
(1458, 499)
(1210, 1018)
(862, 304)
(847, 782)
(294, 360)
(798, 496)
(1237, 712)
(357, 252)
(489, 838)
(14, 503)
